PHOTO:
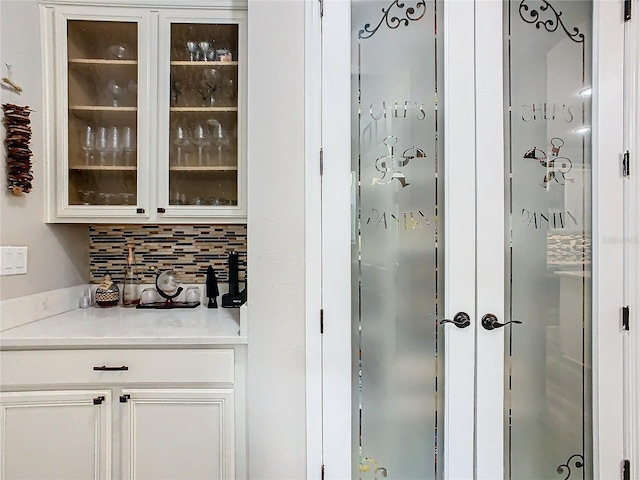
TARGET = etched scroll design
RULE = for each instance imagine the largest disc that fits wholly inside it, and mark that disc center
(565, 468)
(531, 14)
(410, 14)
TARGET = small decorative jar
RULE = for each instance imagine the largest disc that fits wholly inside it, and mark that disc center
(108, 293)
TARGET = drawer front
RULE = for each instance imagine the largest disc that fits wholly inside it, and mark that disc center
(46, 367)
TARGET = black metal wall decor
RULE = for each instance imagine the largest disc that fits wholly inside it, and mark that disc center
(565, 468)
(410, 14)
(532, 15)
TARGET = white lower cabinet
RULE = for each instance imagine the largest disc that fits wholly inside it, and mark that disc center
(50, 435)
(177, 434)
(122, 414)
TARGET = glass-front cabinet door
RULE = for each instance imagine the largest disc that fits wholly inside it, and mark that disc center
(201, 101)
(102, 57)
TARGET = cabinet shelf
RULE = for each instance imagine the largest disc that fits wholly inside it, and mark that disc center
(101, 168)
(189, 63)
(101, 108)
(218, 168)
(101, 61)
(203, 109)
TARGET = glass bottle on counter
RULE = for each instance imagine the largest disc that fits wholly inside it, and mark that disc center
(130, 296)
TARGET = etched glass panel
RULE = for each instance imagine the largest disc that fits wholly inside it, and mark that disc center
(397, 246)
(548, 168)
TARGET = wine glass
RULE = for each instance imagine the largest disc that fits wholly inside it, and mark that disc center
(193, 48)
(206, 48)
(180, 139)
(129, 144)
(116, 90)
(115, 144)
(211, 79)
(118, 51)
(102, 143)
(201, 138)
(220, 138)
(88, 143)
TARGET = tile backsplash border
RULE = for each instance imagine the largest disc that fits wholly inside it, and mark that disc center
(186, 249)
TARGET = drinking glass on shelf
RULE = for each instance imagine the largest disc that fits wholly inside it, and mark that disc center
(115, 144)
(220, 138)
(88, 143)
(193, 49)
(102, 144)
(205, 48)
(201, 138)
(211, 78)
(118, 51)
(116, 90)
(86, 196)
(181, 140)
(129, 145)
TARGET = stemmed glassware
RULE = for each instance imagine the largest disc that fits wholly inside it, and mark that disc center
(220, 138)
(207, 50)
(115, 144)
(201, 138)
(116, 90)
(88, 143)
(209, 83)
(102, 143)
(129, 144)
(193, 49)
(180, 139)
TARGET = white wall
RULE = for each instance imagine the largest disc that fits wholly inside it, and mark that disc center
(58, 254)
(276, 375)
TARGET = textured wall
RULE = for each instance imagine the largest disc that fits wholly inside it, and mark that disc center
(276, 218)
(187, 249)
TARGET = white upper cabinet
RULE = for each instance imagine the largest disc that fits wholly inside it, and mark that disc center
(145, 113)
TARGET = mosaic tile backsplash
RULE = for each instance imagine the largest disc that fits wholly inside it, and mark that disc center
(187, 249)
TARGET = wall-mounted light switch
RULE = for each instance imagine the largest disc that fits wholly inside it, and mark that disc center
(13, 260)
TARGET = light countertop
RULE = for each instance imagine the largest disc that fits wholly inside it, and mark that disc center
(129, 327)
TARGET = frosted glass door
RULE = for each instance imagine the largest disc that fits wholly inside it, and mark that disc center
(398, 248)
(548, 268)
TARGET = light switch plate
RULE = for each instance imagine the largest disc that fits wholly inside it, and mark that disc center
(13, 260)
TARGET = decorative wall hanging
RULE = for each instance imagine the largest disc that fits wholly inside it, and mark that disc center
(18, 136)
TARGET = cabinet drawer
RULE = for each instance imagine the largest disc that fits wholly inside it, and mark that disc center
(44, 367)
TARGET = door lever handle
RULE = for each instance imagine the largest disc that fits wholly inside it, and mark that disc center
(460, 320)
(490, 322)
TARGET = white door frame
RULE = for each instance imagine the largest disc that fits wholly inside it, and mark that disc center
(329, 439)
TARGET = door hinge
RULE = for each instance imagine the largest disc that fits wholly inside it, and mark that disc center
(626, 164)
(125, 398)
(627, 10)
(321, 320)
(321, 8)
(626, 470)
(625, 317)
(98, 400)
(322, 472)
(321, 162)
